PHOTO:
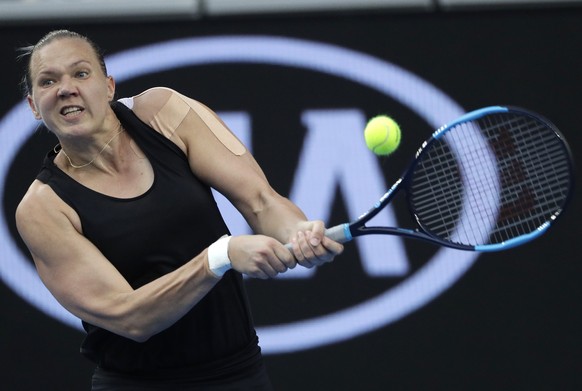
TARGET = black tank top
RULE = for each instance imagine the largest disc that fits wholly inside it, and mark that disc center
(153, 234)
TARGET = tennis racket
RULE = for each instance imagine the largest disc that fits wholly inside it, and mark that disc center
(493, 179)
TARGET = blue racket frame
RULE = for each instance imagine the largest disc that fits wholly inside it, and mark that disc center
(348, 231)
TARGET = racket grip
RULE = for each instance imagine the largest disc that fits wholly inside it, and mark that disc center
(339, 233)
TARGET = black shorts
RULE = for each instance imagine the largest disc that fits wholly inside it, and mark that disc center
(257, 380)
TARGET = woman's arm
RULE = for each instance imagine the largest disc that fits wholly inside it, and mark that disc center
(221, 160)
(88, 285)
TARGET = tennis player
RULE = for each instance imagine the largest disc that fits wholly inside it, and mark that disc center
(125, 233)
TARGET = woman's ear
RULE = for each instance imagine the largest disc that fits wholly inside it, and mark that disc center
(110, 88)
(33, 107)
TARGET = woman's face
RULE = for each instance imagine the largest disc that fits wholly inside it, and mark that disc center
(70, 93)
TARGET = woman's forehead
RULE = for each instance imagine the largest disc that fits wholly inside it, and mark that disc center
(63, 51)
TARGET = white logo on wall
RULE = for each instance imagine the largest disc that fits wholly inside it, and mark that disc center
(425, 100)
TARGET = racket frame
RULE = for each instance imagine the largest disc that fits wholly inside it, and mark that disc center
(348, 231)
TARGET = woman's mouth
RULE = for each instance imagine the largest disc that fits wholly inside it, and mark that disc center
(71, 111)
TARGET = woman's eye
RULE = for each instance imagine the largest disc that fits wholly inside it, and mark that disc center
(82, 74)
(46, 82)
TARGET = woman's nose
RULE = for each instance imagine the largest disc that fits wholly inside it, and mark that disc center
(67, 87)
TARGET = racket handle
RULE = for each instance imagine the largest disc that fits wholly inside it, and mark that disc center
(340, 233)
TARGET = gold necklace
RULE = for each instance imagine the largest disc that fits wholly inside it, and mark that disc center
(95, 158)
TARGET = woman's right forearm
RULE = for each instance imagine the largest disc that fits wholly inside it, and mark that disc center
(152, 308)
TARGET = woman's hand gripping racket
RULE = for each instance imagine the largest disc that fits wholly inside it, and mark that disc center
(493, 179)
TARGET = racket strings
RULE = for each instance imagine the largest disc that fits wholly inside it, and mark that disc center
(537, 178)
(490, 180)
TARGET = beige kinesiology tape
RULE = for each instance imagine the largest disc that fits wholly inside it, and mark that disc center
(179, 107)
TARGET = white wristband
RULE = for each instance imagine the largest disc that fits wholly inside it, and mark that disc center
(218, 260)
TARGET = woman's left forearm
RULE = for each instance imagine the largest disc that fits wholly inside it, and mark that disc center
(277, 217)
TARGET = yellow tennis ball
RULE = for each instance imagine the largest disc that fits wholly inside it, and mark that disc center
(382, 135)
